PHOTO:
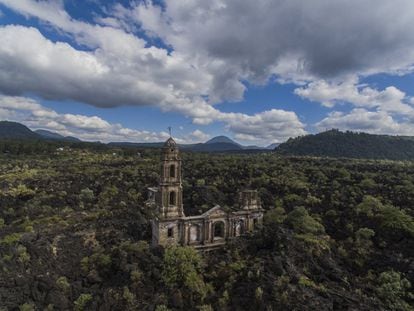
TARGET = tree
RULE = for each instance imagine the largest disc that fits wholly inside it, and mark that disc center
(369, 206)
(182, 269)
(302, 222)
(363, 245)
(395, 220)
(393, 289)
(275, 216)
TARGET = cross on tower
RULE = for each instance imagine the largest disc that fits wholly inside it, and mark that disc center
(169, 130)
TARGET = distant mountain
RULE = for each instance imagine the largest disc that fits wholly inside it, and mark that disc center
(335, 143)
(272, 146)
(221, 140)
(55, 136)
(14, 130)
(136, 145)
(223, 143)
(216, 144)
(215, 147)
(201, 147)
(253, 147)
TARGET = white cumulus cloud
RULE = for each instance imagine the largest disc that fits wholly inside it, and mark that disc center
(330, 94)
(362, 120)
(210, 51)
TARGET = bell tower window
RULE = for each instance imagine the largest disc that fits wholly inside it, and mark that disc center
(172, 198)
(170, 232)
(172, 171)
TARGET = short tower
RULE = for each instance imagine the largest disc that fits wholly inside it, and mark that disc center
(249, 200)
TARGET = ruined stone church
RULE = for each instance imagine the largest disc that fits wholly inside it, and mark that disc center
(206, 231)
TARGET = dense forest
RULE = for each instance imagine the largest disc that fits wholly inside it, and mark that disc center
(335, 143)
(74, 232)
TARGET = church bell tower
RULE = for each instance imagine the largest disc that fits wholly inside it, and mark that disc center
(167, 226)
(170, 190)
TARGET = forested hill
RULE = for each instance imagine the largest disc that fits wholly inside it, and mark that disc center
(14, 130)
(335, 143)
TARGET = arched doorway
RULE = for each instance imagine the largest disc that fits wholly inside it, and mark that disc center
(218, 230)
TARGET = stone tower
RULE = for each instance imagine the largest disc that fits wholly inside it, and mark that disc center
(170, 190)
(249, 200)
(169, 197)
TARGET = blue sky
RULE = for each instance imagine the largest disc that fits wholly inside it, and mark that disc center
(256, 71)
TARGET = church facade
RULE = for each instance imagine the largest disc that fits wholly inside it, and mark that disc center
(209, 230)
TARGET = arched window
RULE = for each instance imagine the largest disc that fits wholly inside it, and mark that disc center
(172, 171)
(255, 223)
(172, 198)
(194, 233)
(239, 228)
(218, 230)
(170, 232)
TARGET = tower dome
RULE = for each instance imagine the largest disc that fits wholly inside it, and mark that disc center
(170, 143)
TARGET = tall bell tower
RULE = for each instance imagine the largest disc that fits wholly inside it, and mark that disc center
(170, 190)
(167, 226)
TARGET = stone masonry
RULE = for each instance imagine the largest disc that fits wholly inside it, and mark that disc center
(206, 231)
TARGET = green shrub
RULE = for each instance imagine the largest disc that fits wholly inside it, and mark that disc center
(26, 307)
(22, 255)
(302, 222)
(224, 299)
(28, 229)
(11, 238)
(362, 245)
(128, 296)
(275, 216)
(182, 268)
(21, 191)
(314, 244)
(136, 276)
(138, 247)
(306, 282)
(102, 261)
(87, 195)
(85, 264)
(258, 294)
(82, 302)
(369, 206)
(63, 284)
(394, 219)
(364, 234)
(393, 289)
